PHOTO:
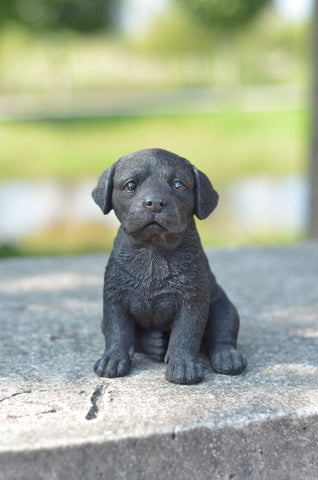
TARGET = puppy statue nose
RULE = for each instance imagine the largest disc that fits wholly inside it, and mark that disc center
(155, 204)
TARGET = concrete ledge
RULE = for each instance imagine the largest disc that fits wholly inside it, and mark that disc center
(58, 420)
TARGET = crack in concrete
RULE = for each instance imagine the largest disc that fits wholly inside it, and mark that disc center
(14, 395)
(95, 401)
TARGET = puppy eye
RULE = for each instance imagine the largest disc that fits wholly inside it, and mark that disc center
(179, 186)
(130, 186)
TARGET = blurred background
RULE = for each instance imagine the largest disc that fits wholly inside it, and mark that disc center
(224, 83)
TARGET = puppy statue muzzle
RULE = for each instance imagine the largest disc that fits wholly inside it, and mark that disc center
(160, 296)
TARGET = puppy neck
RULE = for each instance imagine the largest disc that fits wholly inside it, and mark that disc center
(157, 258)
(168, 242)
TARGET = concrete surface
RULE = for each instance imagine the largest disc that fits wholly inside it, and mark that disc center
(58, 420)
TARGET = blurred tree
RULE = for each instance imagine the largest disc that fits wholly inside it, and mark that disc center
(313, 227)
(224, 14)
(225, 18)
(80, 15)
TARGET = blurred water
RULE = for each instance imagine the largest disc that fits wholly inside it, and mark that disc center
(257, 204)
(263, 203)
(30, 206)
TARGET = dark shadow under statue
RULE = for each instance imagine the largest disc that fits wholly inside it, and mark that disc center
(160, 296)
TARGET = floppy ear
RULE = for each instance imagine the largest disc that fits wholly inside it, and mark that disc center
(205, 197)
(102, 193)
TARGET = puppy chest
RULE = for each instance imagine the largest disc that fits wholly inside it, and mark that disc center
(154, 313)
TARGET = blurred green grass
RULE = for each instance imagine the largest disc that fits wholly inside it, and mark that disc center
(227, 145)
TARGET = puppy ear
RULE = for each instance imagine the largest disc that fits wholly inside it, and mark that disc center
(102, 193)
(205, 197)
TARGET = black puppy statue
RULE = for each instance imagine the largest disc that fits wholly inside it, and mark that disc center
(160, 296)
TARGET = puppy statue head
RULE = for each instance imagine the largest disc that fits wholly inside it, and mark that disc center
(154, 192)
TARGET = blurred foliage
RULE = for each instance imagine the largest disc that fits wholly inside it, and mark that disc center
(267, 50)
(174, 33)
(213, 233)
(41, 15)
(174, 53)
(92, 15)
(225, 15)
(68, 237)
(11, 250)
(75, 238)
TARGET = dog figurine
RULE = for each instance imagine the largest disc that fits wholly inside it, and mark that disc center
(160, 296)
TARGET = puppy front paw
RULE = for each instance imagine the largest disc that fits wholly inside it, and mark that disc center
(183, 369)
(225, 359)
(114, 363)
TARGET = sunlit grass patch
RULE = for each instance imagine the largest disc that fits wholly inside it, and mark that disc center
(65, 238)
(226, 145)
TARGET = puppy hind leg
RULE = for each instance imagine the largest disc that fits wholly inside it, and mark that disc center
(152, 342)
(219, 342)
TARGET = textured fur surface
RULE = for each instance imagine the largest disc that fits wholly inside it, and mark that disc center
(160, 296)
